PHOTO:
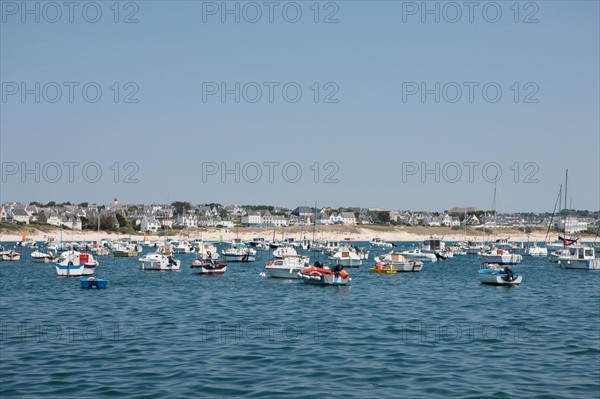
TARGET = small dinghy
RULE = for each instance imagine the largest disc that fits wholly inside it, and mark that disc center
(494, 274)
(93, 282)
(322, 276)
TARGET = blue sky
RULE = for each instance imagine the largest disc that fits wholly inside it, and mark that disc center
(365, 126)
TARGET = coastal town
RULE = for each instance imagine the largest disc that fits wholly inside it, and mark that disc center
(183, 216)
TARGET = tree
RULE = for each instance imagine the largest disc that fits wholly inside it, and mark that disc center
(181, 207)
(121, 219)
(224, 213)
(108, 221)
(381, 217)
(84, 205)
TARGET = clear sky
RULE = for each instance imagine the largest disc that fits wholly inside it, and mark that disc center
(386, 92)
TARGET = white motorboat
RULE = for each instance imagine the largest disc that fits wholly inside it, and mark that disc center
(396, 261)
(159, 261)
(75, 264)
(435, 245)
(182, 247)
(239, 253)
(346, 257)
(494, 274)
(379, 243)
(500, 256)
(579, 257)
(206, 250)
(287, 267)
(416, 253)
(284, 251)
(42, 257)
(330, 247)
(534, 250)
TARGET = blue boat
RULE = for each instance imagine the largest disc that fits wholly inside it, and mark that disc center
(93, 282)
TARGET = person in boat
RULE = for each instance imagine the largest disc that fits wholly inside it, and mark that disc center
(337, 269)
(318, 264)
(171, 260)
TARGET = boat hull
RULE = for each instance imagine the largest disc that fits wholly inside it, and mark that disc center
(280, 272)
(383, 271)
(119, 254)
(497, 277)
(97, 283)
(208, 267)
(239, 258)
(11, 256)
(582, 264)
(504, 259)
(320, 276)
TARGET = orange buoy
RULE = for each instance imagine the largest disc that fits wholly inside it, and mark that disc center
(378, 266)
(344, 274)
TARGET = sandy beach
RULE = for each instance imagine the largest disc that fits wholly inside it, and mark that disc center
(332, 233)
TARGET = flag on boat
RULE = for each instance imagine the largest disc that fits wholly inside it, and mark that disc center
(568, 241)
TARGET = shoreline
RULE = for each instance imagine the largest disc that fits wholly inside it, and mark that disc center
(329, 233)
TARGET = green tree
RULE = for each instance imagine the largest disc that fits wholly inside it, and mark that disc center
(181, 207)
(108, 221)
(83, 205)
(121, 219)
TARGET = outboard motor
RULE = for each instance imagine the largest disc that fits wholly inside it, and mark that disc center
(318, 264)
(509, 274)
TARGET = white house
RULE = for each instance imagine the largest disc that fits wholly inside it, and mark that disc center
(188, 220)
(252, 219)
(226, 223)
(432, 221)
(19, 215)
(335, 218)
(3, 214)
(71, 221)
(347, 218)
(150, 224)
(573, 225)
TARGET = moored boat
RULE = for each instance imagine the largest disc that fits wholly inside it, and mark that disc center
(579, 257)
(494, 274)
(322, 276)
(160, 262)
(396, 261)
(239, 253)
(379, 243)
(287, 267)
(10, 256)
(417, 254)
(208, 266)
(500, 256)
(346, 257)
(75, 264)
(93, 282)
(42, 257)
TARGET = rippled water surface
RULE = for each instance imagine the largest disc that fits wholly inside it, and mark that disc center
(437, 333)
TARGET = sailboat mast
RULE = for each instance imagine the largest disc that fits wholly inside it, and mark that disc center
(565, 221)
(495, 212)
(315, 223)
